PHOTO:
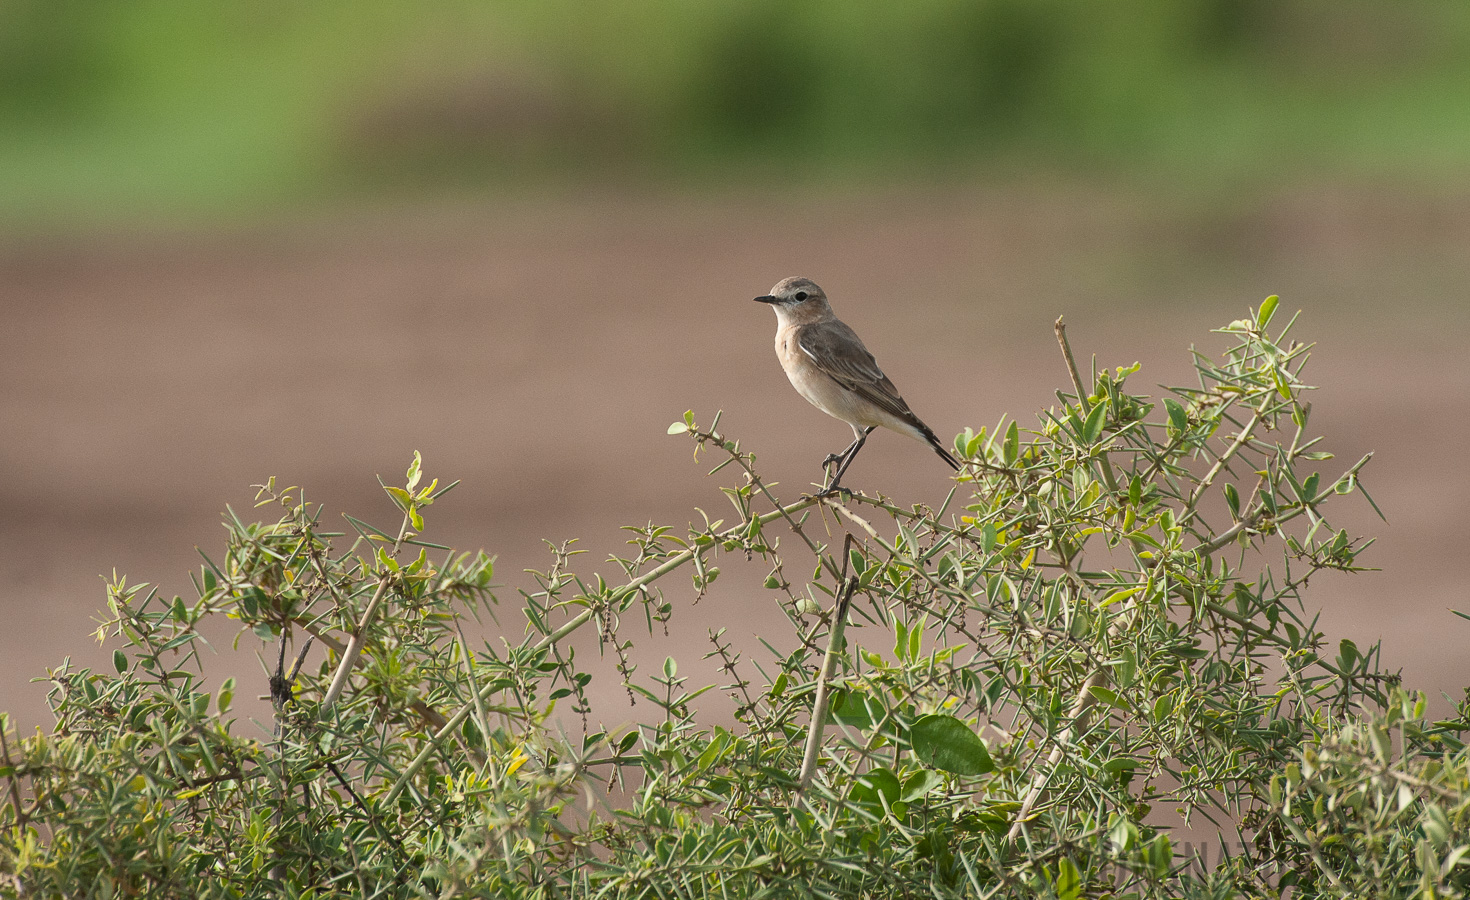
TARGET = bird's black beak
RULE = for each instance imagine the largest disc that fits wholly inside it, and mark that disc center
(765, 298)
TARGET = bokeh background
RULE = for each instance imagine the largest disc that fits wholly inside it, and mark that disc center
(305, 240)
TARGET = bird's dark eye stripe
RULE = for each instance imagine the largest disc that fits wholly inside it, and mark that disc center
(801, 295)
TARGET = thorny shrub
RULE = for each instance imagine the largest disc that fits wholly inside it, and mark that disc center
(1101, 632)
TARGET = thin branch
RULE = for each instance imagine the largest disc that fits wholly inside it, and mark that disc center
(1297, 833)
(1240, 441)
(1107, 467)
(359, 634)
(578, 621)
(824, 678)
(1061, 331)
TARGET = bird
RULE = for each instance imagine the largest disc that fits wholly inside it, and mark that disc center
(828, 364)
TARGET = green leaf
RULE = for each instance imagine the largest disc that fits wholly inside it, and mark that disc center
(778, 687)
(1075, 423)
(851, 709)
(1123, 594)
(1309, 487)
(401, 498)
(967, 443)
(1092, 428)
(1268, 308)
(251, 600)
(949, 745)
(1012, 447)
(716, 747)
(1123, 835)
(678, 428)
(920, 784)
(1281, 386)
(1232, 498)
(1163, 706)
(1120, 764)
(225, 696)
(1435, 823)
(1161, 855)
(1069, 880)
(119, 661)
(1455, 857)
(1177, 418)
(875, 784)
(413, 470)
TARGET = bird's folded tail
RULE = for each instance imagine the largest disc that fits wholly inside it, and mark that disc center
(933, 441)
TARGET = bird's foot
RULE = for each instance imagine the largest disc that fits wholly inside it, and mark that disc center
(831, 458)
(836, 489)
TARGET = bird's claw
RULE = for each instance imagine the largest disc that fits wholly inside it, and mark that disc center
(840, 490)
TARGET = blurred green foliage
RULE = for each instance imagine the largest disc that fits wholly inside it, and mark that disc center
(168, 105)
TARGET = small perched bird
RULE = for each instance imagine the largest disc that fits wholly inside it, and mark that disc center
(829, 366)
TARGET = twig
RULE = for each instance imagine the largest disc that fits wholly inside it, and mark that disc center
(1297, 833)
(362, 806)
(824, 676)
(1098, 677)
(482, 717)
(1240, 441)
(756, 480)
(359, 634)
(577, 621)
(1061, 331)
(431, 715)
(1077, 721)
(1250, 521)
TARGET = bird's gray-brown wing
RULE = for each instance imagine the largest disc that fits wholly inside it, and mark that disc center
(837, 351)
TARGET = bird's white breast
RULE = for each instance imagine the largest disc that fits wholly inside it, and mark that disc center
(816, 386)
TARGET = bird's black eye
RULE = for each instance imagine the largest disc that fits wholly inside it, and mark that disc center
(800, 296)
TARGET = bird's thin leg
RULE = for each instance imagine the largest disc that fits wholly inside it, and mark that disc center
(838, 457)
(846, 460)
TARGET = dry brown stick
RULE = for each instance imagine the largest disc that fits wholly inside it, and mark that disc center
(824, 675)
(1077, 715)
(1061, 331)
(359, 634)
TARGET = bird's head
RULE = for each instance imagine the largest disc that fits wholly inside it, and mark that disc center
(797, 300)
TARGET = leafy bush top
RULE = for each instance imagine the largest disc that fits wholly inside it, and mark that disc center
(1101, 624)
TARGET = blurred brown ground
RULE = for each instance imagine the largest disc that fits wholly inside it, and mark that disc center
(537, 349)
